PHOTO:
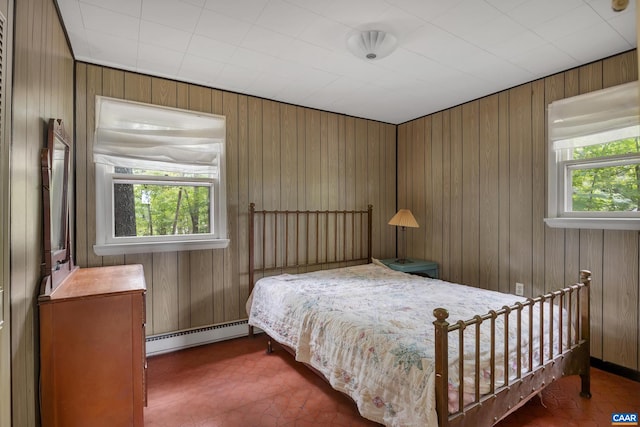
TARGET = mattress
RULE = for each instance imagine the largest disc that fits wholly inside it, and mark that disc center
(369, 330)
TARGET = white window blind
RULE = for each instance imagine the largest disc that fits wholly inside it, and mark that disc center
(136, 135)
(595, 118)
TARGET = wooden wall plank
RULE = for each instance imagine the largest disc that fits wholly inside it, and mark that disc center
(218, 255)
(202, 271)
(324, 160)
(620, 318)
(456, 236)
(302, 175)
(520, 195)
(361, 176)
(138, 87)
(554, 237)
(373, 183)
(313, 177)
(470, 193)
(437, 184)
(254, 150)
(416, 203)
(488, 212)
(184, 290)
(427, 204)
(163, 92)
(94, 88)
(165, 296)
(445, 266)
(324, 187)
(271, 185)
(342, 174)
(289, 171)
(404, 141)
(539, 188)
(217, 292)
(333, 174)
(387, 210)
(620, 69)
(243, 202)
(82, 157)
(504, 191)
(5, 212)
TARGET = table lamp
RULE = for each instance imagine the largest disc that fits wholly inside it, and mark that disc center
(404, 218)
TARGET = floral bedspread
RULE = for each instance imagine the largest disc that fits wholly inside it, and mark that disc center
(369, 330)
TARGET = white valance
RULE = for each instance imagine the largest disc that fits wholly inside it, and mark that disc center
(595, 117)
(137, 135)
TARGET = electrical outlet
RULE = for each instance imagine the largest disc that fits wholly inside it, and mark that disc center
(519, 288)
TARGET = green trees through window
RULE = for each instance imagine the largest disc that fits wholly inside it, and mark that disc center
(156, 208)
(612, 183)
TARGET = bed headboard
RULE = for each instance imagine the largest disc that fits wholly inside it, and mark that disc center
(298, 241)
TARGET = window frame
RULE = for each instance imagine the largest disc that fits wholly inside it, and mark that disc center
(105, 178)
(108, 244)
(560, 194)
(572, 131)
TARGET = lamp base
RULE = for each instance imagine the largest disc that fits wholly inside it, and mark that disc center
(403, 261)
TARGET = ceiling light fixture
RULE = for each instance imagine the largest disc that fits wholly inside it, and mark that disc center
(372, 44)
(619, 5)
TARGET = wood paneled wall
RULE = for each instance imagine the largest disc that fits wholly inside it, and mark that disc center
(6, 9)
(43, 80)
(279, 156)
(475, 178)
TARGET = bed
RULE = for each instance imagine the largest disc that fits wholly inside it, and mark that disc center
(387, 339)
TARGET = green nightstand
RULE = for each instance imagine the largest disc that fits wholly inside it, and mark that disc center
(416, 266)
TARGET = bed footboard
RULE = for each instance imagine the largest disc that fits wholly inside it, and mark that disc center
(563, 350)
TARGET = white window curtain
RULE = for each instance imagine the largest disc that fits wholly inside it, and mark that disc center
(137, 135)
(595, 117)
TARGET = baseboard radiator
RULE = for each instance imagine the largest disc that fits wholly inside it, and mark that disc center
(173, 341)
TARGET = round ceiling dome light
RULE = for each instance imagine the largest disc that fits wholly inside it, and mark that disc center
(372, 44)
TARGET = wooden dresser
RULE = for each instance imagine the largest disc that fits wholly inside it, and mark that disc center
(92, 349)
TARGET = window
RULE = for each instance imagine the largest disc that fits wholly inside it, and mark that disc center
(594, 160)
(159, 179)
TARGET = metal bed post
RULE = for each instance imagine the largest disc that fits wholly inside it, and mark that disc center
(369, 221)
(585, 331)
(252, 209)
(442, 365)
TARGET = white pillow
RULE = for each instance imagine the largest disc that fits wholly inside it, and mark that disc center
(378, 262)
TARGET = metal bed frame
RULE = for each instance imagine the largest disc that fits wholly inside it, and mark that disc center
(298, 241)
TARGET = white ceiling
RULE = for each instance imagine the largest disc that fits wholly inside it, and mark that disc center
(449, 51)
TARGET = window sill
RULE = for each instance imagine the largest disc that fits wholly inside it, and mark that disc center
(149, 247)
(595, 223)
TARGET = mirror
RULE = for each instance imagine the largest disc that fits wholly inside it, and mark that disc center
(55, 158)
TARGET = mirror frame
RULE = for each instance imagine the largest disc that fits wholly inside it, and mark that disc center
(58, 261)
